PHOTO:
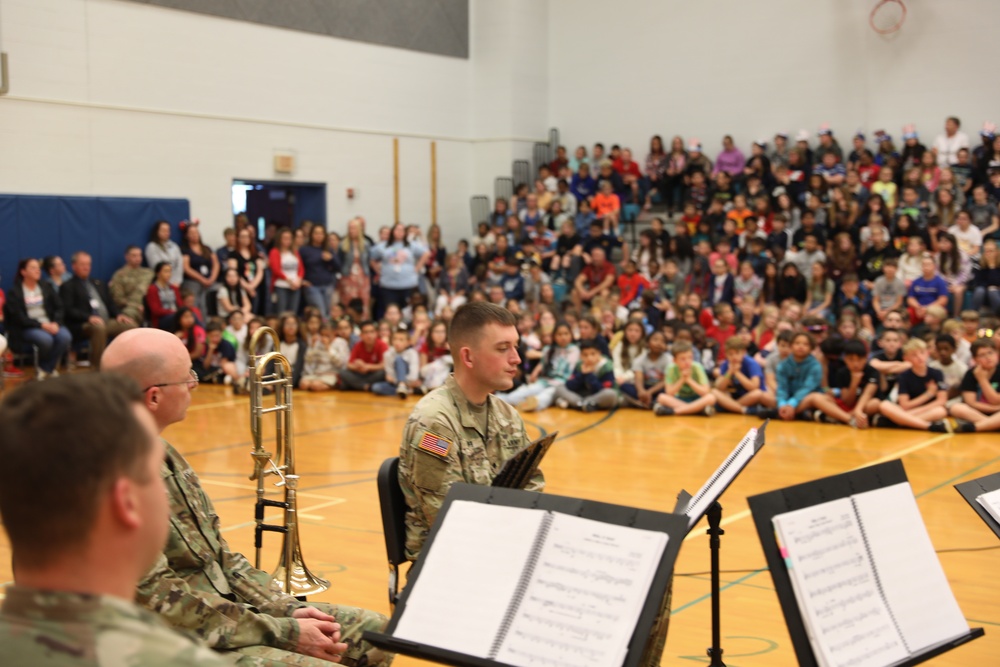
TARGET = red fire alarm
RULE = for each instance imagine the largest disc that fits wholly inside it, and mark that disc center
(350, 193)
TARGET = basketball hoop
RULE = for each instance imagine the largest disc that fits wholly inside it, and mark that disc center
(887, 17)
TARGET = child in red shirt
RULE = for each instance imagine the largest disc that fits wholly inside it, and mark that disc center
(691, 217)
(631, 284)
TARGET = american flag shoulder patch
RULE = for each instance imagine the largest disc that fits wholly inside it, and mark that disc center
(434, 444)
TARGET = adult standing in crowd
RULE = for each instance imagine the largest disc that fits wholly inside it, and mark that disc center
(321, 268)
(33, 314)
(401, 261)
(198, 584)
(201, 265)
(250, 264)
(91, 313)
(287, 272)
(162, 249)
(78, 555)
(355, 263)
(129, 284)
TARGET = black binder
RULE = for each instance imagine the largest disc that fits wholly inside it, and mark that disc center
(977, 487)
(766, 506)
(675, 526)
(519, 469)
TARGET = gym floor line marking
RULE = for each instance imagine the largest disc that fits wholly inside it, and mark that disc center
(888, 457)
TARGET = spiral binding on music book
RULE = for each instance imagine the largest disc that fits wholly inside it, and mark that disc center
(522, 585)
(878, 579)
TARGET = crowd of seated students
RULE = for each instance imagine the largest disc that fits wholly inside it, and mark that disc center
(805, 280)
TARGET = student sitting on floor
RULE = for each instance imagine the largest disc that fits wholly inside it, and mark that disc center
(782, 350)
(980, 406)
(949, 365)
(923, 395)
(319, 373)
(851, 399)
(218, 363)
(650, 371)
(688, 390)
(402, 367)
(740, 384)
(798, 376)
(889, 362)
(592, 384)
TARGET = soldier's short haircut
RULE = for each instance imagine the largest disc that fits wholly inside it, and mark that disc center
(63, 443)
(469, 320)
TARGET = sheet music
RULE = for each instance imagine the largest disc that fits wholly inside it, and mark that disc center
(912, 579)
(991, 502)
(585, 595)
(468, 576)
(721, 479)
(835, 585)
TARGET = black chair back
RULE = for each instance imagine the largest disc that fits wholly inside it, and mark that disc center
(393, 508)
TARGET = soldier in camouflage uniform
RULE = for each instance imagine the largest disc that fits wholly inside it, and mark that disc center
(201, 586)
(460, 433)
(129, 284)
(83, 531)
(464, 449)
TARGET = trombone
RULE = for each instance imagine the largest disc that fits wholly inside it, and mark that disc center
(291, 575)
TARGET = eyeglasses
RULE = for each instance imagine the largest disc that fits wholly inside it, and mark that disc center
(191, 382)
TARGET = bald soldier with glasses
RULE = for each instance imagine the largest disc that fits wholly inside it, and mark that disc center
(198, 584)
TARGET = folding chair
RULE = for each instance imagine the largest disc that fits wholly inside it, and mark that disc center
(393, 507)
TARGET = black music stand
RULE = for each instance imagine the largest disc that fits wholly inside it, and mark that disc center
(977, 487)
(715, 533)
(766, 506)
(673, 524)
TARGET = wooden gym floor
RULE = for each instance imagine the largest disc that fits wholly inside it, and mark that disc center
(626, 457)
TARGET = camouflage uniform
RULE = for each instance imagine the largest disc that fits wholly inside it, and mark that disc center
(56, 629)
(426, 474)
(199, 585)
(128, 290)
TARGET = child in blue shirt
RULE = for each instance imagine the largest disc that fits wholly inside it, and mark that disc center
(739, 387)
(798, 376)
(592, 384)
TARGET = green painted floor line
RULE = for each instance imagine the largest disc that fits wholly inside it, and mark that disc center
(763, 588)
(707, 596)
(958, 477)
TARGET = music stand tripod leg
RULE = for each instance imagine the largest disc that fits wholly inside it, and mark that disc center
(714, 543)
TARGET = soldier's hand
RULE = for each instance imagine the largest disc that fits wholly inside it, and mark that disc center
(320, 639)
(312, 612)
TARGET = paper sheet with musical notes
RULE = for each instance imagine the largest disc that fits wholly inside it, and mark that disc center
(991, 502)
(467, 577)
(866, 579)
(531, 588)
(584, 597)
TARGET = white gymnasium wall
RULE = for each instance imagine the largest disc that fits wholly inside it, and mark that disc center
(117, 98)
(623, 72)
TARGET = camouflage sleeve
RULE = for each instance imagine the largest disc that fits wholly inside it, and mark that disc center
(116, 289)
(426, 477)
(255, 586)
(221, 623)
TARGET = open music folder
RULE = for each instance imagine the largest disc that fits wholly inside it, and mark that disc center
(523, 579)
(695, 507)
(856, 572)
(983, 494)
